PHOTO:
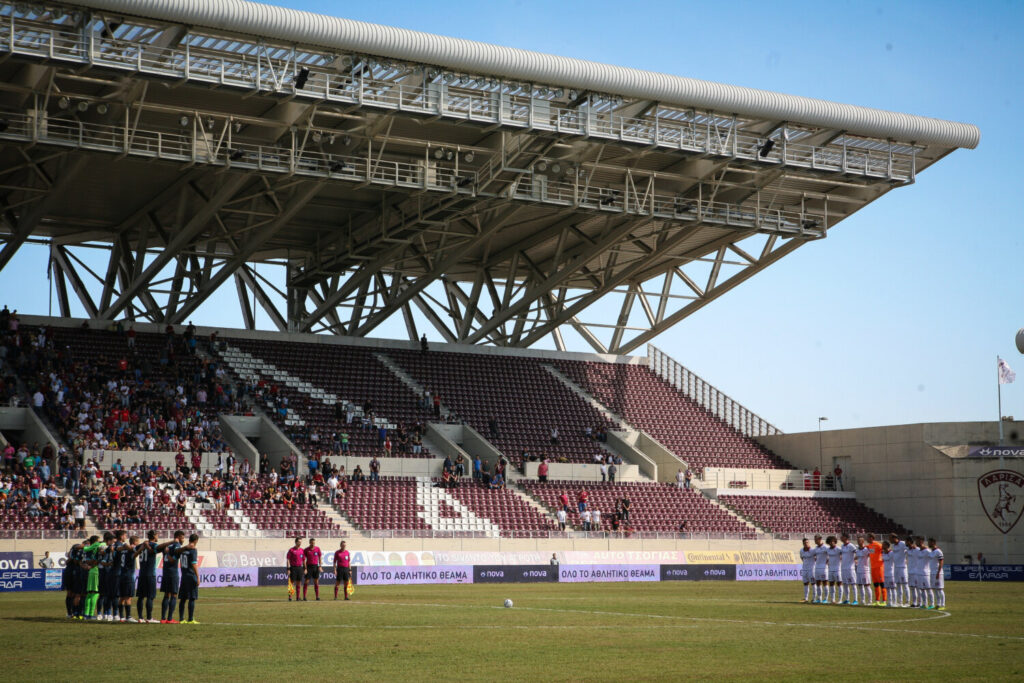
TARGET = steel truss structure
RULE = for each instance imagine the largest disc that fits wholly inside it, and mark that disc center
(497, 211)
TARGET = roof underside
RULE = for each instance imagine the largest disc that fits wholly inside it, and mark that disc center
(374, 161)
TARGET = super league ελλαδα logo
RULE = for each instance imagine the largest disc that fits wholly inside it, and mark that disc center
(1000, 493)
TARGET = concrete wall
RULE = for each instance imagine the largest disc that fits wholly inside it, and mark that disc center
(583, 472)
(907, 472)
(667, 464)
(38, 546)
(28, 427)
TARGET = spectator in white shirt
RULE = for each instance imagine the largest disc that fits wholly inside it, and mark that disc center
(586, 519)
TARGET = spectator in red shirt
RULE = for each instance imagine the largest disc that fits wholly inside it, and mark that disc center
(581, 503)
(542, 471)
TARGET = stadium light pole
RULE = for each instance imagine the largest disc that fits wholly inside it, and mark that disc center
(821, 464)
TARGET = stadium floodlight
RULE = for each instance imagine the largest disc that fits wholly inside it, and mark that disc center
(63, 103)
(102, 109)
(767, 148)
(439, 153)
(183, 121)
(542, 166)
(301, 77)
(82, 106)
(468, 157)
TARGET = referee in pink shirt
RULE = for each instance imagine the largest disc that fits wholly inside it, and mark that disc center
(342, 569)
(296, 562)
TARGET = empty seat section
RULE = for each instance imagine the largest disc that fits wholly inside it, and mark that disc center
(790, 514)
(649, 403)
(653, 507)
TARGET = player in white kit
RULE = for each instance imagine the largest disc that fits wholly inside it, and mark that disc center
(923, 575)
(887, 574)
(807, 568)
(834, 584)
(847, 574)
(912, 557)
(820, 570)
(863, 556)
(899, 571)
(935, 562)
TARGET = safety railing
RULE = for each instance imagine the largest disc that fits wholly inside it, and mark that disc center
(254, 66)
(717, 403)
(201, 147)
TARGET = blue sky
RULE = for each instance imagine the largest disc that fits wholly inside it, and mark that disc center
(898, 316)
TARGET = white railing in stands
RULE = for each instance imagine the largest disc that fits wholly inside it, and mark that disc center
(717, 403)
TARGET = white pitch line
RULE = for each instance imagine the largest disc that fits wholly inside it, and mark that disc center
(854, 626)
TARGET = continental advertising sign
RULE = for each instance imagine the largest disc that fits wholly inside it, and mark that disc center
(741, 557)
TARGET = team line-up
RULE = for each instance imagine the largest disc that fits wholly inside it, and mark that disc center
(893, 573)
(99, 576)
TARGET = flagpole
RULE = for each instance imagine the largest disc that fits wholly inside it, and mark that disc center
(999, 389)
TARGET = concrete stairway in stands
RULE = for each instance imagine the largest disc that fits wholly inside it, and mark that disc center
(342, 521)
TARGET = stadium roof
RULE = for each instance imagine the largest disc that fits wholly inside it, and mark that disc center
(307, 28)
(164, 149)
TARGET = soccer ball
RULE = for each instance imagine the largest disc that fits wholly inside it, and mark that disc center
(508, 603)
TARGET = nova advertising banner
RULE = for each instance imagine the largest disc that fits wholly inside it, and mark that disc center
(15, 561)
(390, 576)
(698, 572)
(507, 573)
(768, 572)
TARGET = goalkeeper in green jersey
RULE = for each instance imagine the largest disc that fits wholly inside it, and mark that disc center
(92, 552)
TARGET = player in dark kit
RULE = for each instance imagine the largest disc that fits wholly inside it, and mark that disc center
(189, 592)
(146, 553)
(74, 581)
(313, 559)
(169, 582)
(125, 562)
(108, 579)
(342, 569)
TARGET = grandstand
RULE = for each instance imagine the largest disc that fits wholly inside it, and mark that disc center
(341, 176)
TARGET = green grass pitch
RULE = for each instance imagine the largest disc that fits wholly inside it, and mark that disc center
(586, 632)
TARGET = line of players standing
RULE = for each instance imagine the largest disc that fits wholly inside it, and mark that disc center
(902, 574)
(100, 578)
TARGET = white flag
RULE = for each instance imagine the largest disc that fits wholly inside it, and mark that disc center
(1006, 375)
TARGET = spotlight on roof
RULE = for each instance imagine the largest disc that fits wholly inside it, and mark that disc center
(183, 121)
(767, 148)
(468, 157)
(449, 155)
(301, 77)
(439, 153)
(63, 103)
(82, 106)
(102, 109)
(542, 166)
